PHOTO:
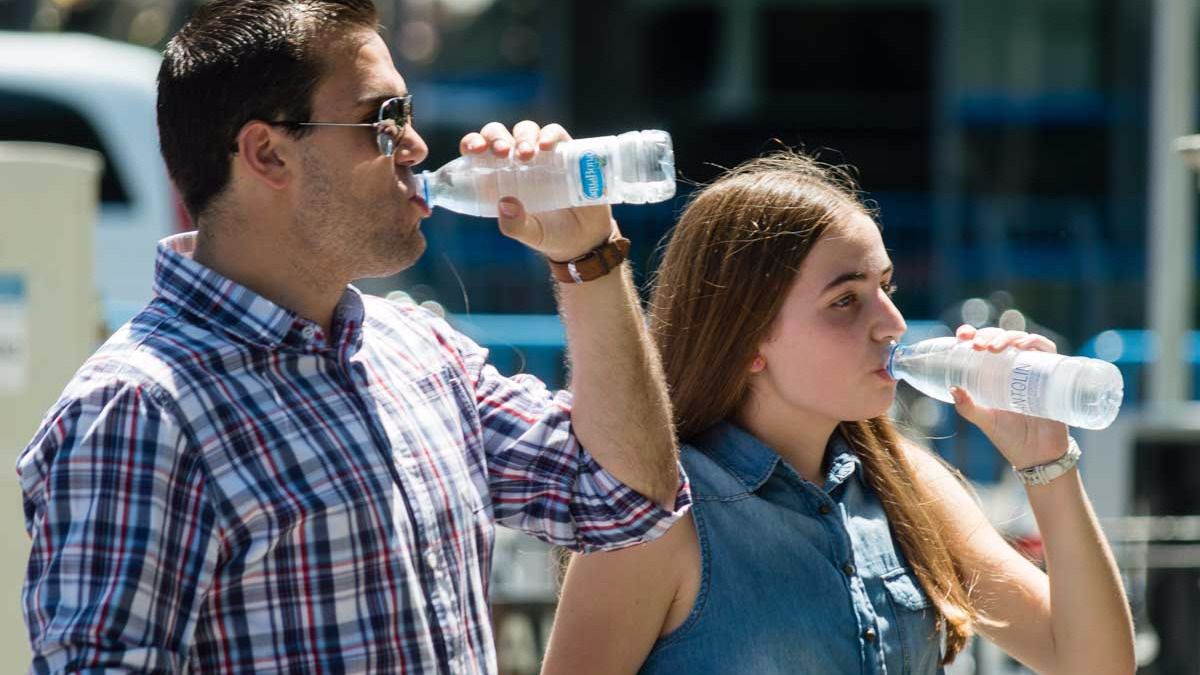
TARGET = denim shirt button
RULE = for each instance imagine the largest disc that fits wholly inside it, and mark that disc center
(869, 635)
(824, 509)
(848, 569)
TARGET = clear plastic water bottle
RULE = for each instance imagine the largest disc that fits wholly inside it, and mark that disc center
(637, 167)
(1078, 391)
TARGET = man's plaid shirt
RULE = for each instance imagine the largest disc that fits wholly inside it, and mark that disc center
(224, 488)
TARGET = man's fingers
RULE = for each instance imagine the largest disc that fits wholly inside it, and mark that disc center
(525, 136)
(551, 135)
(498, 138)
(472, 143)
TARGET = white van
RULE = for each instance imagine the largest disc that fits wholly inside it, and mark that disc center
(100, 94)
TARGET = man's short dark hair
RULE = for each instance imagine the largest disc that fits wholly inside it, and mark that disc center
(237, 61)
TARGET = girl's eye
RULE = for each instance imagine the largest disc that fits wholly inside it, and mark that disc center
(889, 288)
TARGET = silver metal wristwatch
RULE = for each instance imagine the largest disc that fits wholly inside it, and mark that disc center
(1044, 473)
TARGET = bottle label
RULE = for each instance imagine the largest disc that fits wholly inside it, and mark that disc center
(591, 175)
(1026, 382)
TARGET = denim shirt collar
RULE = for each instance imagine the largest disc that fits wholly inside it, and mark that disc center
(242, 313)
(752, 462)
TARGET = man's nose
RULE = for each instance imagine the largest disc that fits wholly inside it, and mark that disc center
(411, 150)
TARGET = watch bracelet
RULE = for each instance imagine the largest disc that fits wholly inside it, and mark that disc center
(1037, 474)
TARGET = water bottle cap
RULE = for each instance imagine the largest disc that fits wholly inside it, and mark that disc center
(889, 357)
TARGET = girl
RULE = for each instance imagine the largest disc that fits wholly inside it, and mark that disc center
(821, 540)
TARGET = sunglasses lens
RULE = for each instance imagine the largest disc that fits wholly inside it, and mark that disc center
(393, 118)
(393, 110)
(386, 142)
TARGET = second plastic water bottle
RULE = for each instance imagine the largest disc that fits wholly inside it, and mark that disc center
(637, 167)
(1078, 391)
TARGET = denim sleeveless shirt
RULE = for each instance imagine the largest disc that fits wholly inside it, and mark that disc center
(795, 578)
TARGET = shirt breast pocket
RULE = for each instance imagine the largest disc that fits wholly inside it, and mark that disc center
(439, 404)
(915, 621)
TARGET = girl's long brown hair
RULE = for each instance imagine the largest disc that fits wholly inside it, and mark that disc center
(731, 259)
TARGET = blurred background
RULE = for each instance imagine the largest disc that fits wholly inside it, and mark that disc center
(1020, 154)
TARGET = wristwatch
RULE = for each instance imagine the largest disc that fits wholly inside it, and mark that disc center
(593, 264)
(1044, 473)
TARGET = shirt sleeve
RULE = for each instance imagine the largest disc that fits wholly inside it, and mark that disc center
(542, 481)
(123, 538)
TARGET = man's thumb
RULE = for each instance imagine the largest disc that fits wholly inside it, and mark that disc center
(514, 222)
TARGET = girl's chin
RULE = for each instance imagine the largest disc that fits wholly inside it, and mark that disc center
(872, 412)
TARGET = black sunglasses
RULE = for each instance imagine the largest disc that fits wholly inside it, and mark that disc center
(395, 116)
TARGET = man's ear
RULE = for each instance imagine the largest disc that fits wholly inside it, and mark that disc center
(265, 153)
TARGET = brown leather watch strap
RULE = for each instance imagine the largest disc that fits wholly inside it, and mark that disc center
(593, 264)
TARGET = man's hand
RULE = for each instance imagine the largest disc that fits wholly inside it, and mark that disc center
(558, 235)
(620, 411)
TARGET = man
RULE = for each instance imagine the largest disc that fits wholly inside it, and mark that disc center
(268, 471)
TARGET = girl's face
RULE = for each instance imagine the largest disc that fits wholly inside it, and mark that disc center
(822, 358)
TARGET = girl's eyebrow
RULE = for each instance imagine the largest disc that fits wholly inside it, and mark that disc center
(852, 276)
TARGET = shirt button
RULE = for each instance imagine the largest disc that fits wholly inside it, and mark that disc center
(824, 509)
(308, 332)
(432, 558)
(848, 569)
(869, 635)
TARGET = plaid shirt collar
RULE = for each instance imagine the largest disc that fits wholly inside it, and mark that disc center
(244, 314)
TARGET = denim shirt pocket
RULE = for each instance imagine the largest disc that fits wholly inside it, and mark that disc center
(916, 629)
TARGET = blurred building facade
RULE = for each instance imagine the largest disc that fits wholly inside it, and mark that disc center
(1004, 143)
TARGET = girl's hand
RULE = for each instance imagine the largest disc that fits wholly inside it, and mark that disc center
(1023, 440)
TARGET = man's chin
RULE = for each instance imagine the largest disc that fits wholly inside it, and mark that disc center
(408, 251)
(394, 255)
